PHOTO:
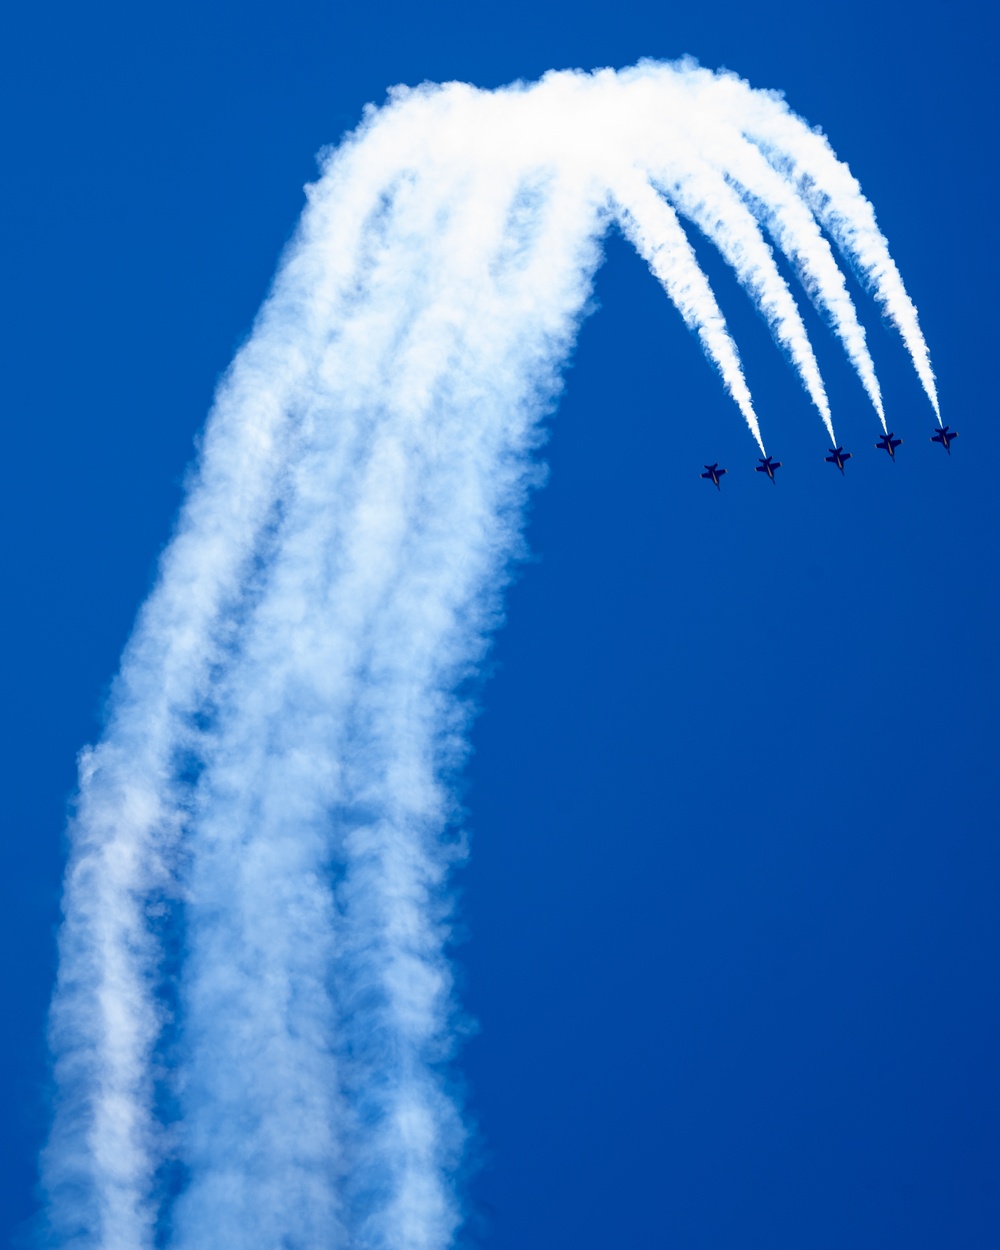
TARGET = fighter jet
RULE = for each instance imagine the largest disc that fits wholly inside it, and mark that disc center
(837, 456)
(889, 444)
(945, 437)
(767, 465)
(713, 474)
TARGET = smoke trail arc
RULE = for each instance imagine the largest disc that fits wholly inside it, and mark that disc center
(254, 1012)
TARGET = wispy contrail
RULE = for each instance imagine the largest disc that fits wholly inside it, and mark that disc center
(254, 1014)
(826, 185)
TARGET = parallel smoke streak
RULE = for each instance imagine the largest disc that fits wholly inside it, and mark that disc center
(273, 786)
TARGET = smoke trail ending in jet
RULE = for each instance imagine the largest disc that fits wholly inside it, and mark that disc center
(254, 1016)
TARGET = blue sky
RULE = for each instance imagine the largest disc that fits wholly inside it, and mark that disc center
(731, 913)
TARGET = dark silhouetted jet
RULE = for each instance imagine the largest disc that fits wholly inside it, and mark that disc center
(945, 438)
(767, 465)
(889, 444)
(713, 474)
(837, 456)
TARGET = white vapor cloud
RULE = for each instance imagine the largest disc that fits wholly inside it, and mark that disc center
(254, 1015)
(826, 185)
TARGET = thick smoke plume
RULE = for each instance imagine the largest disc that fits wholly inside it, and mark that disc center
(254, 1012)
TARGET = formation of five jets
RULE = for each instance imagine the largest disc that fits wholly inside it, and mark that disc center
(888, 442)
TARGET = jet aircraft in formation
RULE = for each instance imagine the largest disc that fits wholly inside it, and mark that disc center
(767, 465)
(888, 442)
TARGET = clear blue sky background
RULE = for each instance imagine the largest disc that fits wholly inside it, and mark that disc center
(733, 904)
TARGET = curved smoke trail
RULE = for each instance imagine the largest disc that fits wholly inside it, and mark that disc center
(254, 1001)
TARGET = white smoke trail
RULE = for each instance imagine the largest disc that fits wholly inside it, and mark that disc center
(254, 1002)
(804, 156)
(797, 233)
(711, 203)
(651, 226)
